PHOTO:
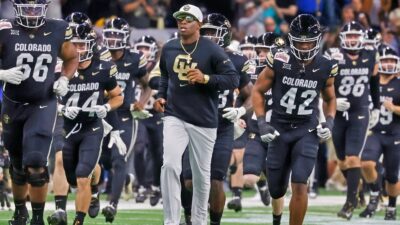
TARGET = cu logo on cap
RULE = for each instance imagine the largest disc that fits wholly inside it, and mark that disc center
(186, 7)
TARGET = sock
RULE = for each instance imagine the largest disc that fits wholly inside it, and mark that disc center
(237, 192)
(353, 178)
(61, 202)
(261, 183)
(37, 212)
(374, 187)
(392, 202)
(215, 218)
(20, 207)
(127, 179)
(79, 218)
(276, 219)
(95, 190)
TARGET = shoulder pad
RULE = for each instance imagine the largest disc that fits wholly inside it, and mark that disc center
(249, 67)
(5, 24)
(237, 53)
(282, 56)
(132, 50)
(335, 54)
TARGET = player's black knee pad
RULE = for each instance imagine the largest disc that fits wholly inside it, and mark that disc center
(36, 160)
(18, 176)
(392, 178)
(37, 179)
(71, 179)
(119, 164)
(277, 191)
(84, 170)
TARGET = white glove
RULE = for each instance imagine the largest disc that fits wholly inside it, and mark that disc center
(12, 76)
(233, 114)
(238, 129)
(323, 132)
(71, 112)
(141, 114)
(342, 104)
(106, 127)
(373, 118)
(116, 139)
(270, 136)
(101, 110)
(60, 86)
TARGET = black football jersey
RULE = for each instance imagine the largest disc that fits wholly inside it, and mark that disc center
(87, 87)
(296, 87)
(226, 97)
(354, 76)
(389, 122)
(131, 67)
(37, 53)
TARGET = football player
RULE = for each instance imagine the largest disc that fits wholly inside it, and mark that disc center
(297, 76)
(385, 137)
(247, 48)
(61, 187)
(357, 79)
(218, 28)
(149, 130)
(29, 46)
(131, 67)
(255, 154)
(83, 108)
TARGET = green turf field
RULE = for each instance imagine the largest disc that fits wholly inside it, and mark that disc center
(324, 214)
(253, 216)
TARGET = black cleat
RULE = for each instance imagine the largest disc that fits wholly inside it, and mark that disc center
(155, 195)
(235, 204)
(371, 207)
(347, 211)
(94, 207)
(390, 213)
(59, 217)
(19, 219)
(265, 196)
(109, 213)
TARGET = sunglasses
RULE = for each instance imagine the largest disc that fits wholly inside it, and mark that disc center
(188, 18)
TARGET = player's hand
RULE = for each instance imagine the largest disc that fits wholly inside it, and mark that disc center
(195, 76)
(373, 118)
(342, 104)
(12, 76)
(115, 138)
(101, 110)
(137, 106)
(324, 130)
(71, 112)
(267, 132)
(389, 105)
(159, 105)
(60, 86)
(239, 128)
(233, 114)
(141, 114)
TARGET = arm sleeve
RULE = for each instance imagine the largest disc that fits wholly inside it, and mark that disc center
(374, 86)
(142, 66)
(244, 75)
(163, 84)
(226, 76)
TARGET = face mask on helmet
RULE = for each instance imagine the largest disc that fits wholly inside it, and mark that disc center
(115, 39)
(30, 14)
(352, 36)
(265, 43)
(84, 40)
(215, 33)
(247, 47)
(115, 34)
(389, 62)
(305, 37)
(148, 47)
